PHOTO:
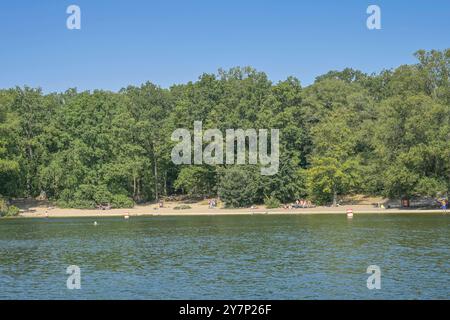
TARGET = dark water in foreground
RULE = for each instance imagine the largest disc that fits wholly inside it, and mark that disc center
(227, 257)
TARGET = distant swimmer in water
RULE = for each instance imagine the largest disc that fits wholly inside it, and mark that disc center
(95, 223)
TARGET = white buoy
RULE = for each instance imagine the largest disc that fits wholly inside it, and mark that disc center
(350, 213)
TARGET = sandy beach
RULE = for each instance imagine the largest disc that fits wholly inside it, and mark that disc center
(42, 210)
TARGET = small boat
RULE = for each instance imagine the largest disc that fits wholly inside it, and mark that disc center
(126, 216)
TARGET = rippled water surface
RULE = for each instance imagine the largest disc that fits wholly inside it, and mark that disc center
(227, 257)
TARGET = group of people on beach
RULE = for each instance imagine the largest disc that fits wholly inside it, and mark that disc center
(299, 203)
(212, 203)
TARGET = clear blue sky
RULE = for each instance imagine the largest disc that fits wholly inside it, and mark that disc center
(124, 42)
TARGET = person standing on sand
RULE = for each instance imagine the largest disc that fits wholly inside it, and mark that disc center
(444, 203)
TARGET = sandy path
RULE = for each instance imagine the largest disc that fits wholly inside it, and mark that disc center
(198, 209)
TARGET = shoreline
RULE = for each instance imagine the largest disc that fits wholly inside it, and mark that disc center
(203, 210)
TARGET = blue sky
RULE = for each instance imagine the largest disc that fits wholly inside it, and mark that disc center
(123, 42)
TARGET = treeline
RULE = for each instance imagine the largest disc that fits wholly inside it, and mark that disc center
(349, 132)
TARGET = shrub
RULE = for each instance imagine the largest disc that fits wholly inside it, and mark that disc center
(13, 211)
(238, 187)
(83, 192)
(196, 180)
(271, 203)
(64, 196)
(6, 210)
(78, 204)
(121, 201)
(102, 195)
(62, 204)
(3, 207)
(182, 207)
(82, 204)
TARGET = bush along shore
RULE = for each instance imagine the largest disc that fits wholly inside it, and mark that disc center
(7, 210)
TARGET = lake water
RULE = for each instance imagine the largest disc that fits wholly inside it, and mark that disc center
(227, 257)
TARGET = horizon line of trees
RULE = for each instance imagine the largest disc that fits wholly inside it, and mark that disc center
(349, 132)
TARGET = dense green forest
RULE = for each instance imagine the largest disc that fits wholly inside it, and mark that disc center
(349, 132)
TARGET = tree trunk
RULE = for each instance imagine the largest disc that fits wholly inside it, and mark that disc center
(156, 181)
(29, 173)
(139, 190)
(165, 183)
(334, 197)
(155, 169)
(134, 188)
